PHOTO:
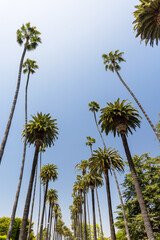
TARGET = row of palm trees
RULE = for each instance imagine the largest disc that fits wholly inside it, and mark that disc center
(120, 118)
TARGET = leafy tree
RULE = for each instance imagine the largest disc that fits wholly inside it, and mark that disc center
(122, 118)
(30, 37)
(147, 21)
(111, 62)
(42, 130)
(148, 171)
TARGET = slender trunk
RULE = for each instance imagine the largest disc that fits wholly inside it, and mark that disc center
(94, 215)
(49, 213)
(100, 219)
(112, 230)
(39, 197)
(89, 220)
(10, 229)
(42, 217)
(50, 226)
(74, 227)
(34, 191)
(28, 197)
(85, 219)
(80, 212)
(138, 103)
(4, 140)
(117, 184)
(146, 220)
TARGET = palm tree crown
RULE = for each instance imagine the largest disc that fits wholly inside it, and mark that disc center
(113, 58)
(100, 160)
(147, 21)
(30, 35)
(52, 196)
(93, 106)
(48, 172)
(82, 166)
(117, 115)
(43, 128)
(90, 141)
(30, 66)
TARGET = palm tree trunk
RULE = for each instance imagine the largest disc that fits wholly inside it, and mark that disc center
(80, 213)
(89, 220)
(50, 226)
(39, 197)
(42, 217)
(34, 191)
(94, 215)
(138, 103)
(112, 230)
(85, 218)
(10, 229)
(49, 213)
(117, 184)
(4, 140)
(28, 197)
(146, 220)
(99, 213)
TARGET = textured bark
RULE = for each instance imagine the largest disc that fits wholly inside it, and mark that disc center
(138, 103)
(4, 140)
(94, 215)
(112, 230)
(146, 220)
(80, 214)
(85, 217)
(42, 217)
(34, 191)
(28, 197)
(117, 184)
(10, 229)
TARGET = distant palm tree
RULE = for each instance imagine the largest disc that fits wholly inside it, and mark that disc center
(111, 62)
(83, 166)
(42, 130)
(30, 67)
(121, 118)
(147, 21)
(48, 173)
(94, 107)
(90, 142)
(91, 180)
(30, 36)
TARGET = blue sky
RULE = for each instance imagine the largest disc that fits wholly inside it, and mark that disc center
(71, 74)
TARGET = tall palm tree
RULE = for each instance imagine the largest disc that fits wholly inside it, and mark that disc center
(147, 21)
(30, 37)
(90, 143)
(100, 162)
(91, 180)
(29, 66)
(74, 211)
(41, 130)
(94, 107)
(122, 118)
(57, 214)
(83, 166)
(42, 149)
(48, 173)
(111, 62)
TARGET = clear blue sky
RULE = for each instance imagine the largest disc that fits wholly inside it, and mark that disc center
(75, 34)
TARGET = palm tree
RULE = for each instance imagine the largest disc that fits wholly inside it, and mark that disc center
(90, 143)
(83, 166)
(111, 62)
(57, 214)
(121, 118)
(147, 21)
(101, 163)
(30, 37)
(29, 66)
(48, 173)
(94, 107)
(91, 180)
(41, 130)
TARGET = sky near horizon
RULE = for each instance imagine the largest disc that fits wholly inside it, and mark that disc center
(71, 74)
